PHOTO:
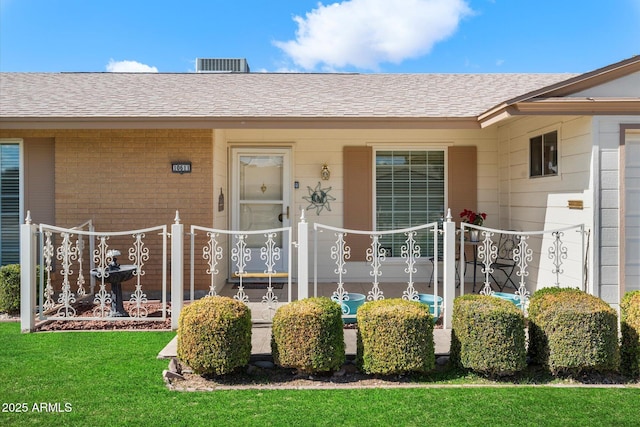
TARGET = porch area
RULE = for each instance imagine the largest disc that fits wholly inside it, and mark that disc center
(424, 263)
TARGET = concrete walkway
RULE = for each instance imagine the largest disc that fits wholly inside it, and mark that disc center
(261, 342)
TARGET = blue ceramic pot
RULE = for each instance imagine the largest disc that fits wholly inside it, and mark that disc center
(429, 300)
(350, 306)
(509, 297)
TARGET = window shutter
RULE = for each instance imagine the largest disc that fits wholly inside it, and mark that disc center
(39, 154)
(462, 180)
(462, 186)
(358, 194)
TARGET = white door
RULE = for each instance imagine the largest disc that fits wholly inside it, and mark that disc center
(261, 196)
(632, 212)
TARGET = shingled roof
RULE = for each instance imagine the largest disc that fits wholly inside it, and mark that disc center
(259, 95)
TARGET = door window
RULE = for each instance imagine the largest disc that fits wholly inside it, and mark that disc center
(261, 200)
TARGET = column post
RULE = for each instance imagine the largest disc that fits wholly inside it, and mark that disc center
(449, 280)
(28, 275)
(303, 257)
(177, 270)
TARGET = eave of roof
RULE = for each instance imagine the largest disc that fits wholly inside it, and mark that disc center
(580, 106)
(239, 123)
(552, 99)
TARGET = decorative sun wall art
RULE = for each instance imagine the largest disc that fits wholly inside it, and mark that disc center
(319, 198)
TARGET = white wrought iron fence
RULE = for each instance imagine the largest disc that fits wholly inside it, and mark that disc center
(87, 225)
(64, 260)
(525, 260)
(395, 263)
(396, 253)
(259, 258)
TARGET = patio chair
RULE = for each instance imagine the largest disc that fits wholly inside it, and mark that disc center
(504, 261)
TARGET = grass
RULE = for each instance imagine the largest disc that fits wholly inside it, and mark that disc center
(113, 378)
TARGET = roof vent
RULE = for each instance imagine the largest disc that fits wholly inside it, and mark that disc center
(222, 65)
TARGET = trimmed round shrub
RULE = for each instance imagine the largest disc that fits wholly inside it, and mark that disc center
(214, 335)
(10, 289)
(630, 329)
(308, 335)
(395, 336)
(577, 332)
(488, 335)
(541, 300)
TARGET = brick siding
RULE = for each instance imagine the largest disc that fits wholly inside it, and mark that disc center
(122, 180)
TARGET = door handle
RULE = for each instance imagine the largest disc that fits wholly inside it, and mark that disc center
(283, 213)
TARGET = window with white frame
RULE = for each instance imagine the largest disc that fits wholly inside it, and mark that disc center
(410, 191)
(543, 155)
(9, 203)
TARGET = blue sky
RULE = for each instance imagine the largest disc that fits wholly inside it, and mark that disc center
(389, 36)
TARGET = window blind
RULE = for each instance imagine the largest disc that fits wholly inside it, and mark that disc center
(410, 191)
(9, 204)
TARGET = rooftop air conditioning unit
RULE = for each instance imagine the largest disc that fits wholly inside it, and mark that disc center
(222, 65)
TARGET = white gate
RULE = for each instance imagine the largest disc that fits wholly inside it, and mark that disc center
(217, 247)
(393, 255)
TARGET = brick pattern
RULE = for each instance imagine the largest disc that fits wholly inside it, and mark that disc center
(122, 180)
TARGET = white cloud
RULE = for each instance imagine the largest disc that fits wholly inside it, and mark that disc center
(129, 67)
(366, 33)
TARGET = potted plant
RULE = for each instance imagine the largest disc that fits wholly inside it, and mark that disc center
(475, 218)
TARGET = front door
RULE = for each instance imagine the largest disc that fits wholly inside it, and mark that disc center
(260, 201)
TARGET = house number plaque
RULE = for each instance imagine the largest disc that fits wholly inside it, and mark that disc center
(181, 167)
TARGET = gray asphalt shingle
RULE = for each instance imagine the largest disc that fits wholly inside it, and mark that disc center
(260, 95)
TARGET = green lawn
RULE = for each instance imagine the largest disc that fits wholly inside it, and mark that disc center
(113, 378)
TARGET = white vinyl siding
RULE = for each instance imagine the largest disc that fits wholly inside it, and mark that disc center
(632, 213)
(543, 203)
(311, 148)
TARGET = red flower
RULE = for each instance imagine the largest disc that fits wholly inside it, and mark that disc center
(472, 217)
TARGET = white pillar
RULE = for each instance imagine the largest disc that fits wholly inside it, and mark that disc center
(449, 280)
(28, 243)
(303, 257)
(177, 270)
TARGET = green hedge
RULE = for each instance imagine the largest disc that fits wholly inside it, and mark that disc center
(488, 335)
(630, 328)
(10, 289)
(214, 335)
(395, 336)
(540, 301)
(308, 335)
(572, 331)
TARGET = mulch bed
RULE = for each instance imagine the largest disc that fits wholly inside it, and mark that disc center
(85, 308)
(257, 376)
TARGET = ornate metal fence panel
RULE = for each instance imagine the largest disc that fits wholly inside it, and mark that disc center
(222, 254)
(63, 292)
(407, 257)
(544, 252)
